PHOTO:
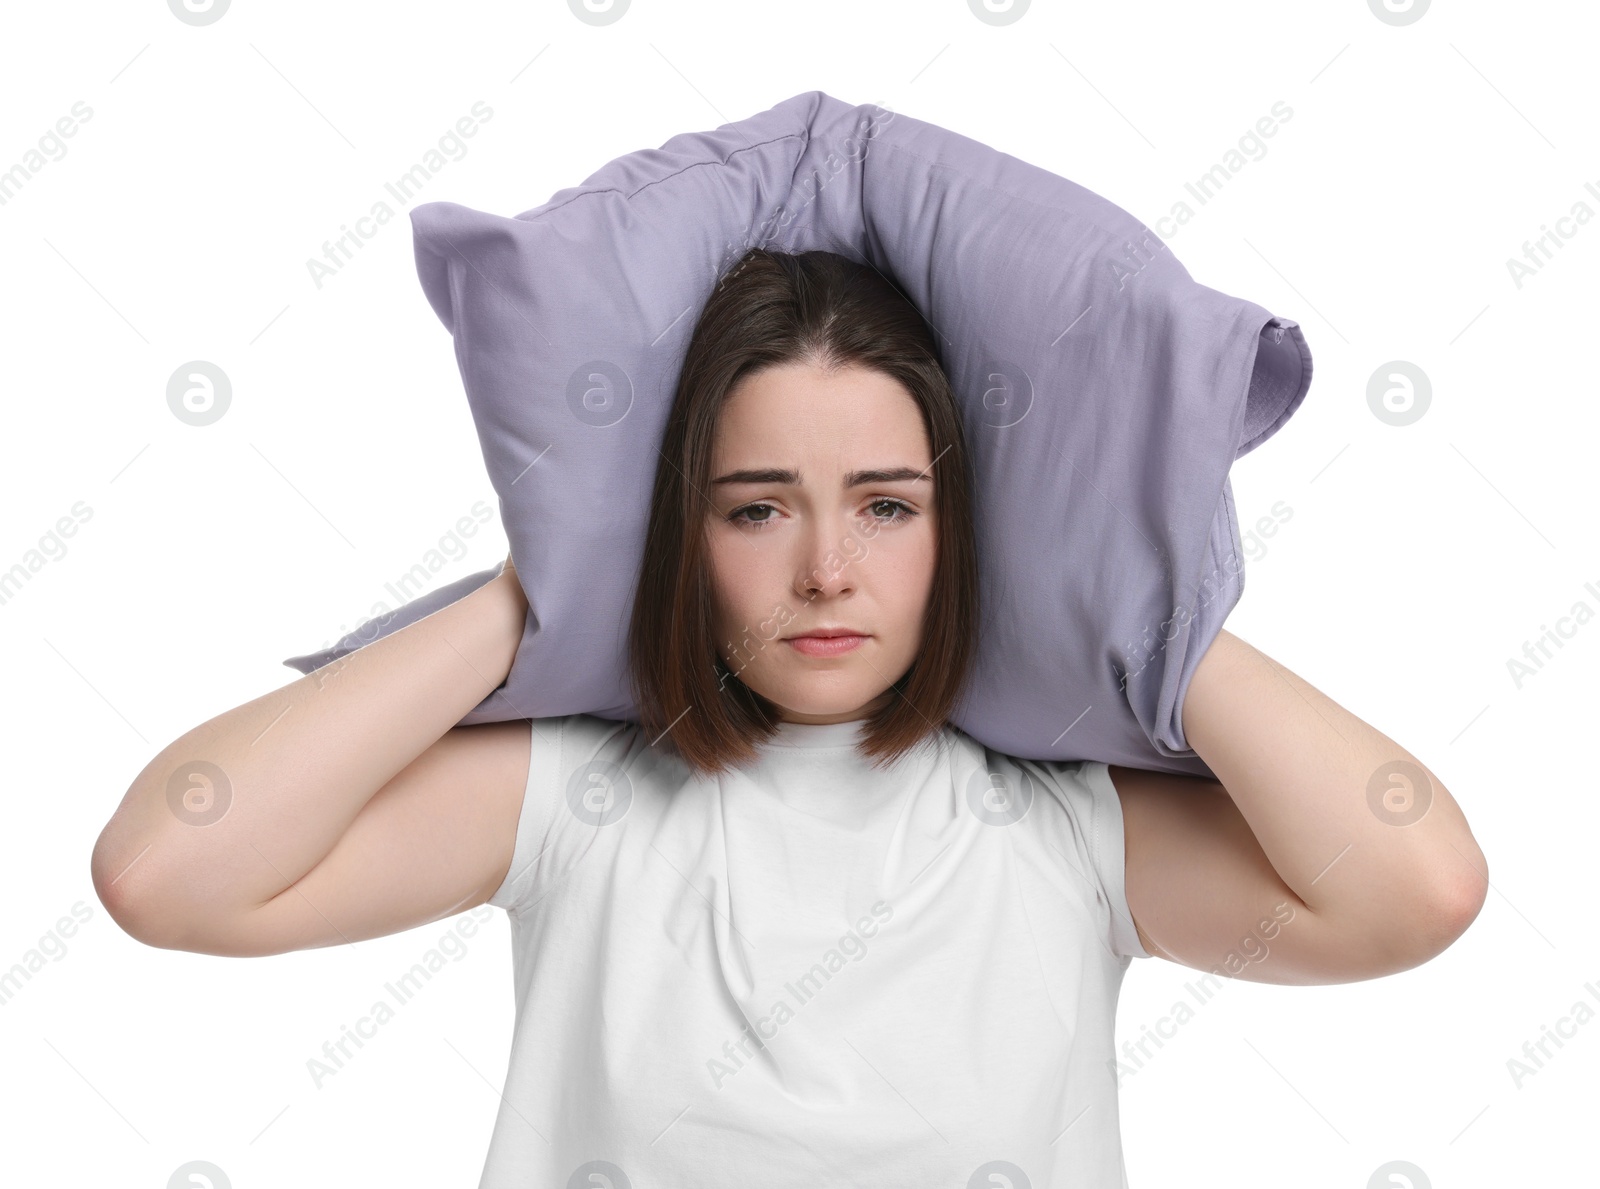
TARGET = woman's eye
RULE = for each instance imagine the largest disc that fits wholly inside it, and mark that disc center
(902, 511)
(898, 513)
(737, 514)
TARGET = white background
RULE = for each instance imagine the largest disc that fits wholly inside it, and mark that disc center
(1417, 562)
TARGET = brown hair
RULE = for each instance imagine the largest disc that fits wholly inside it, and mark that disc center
(770, 309)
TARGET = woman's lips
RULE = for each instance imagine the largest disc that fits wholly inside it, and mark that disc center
(825, 645)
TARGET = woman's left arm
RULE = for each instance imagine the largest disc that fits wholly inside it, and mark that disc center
(1347, 831)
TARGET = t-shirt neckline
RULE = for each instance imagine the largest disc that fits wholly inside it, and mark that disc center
(827, 734)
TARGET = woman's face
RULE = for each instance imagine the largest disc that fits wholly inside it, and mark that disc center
(822, 516)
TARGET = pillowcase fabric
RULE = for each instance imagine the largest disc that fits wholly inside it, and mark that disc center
(1105, 395)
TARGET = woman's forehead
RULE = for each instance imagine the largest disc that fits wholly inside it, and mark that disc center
(852, 419)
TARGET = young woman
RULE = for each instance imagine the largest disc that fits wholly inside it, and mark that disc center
(792, 927)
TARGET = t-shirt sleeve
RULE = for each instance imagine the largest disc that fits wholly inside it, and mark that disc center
(1095, 846)
(1108, 848)
(559, 745)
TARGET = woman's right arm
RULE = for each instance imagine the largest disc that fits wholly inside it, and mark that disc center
(346, 805)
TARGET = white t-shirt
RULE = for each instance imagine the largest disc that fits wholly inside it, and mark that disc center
(808, 972)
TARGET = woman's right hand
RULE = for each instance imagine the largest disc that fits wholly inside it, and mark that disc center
(509, 567)
(320, 782)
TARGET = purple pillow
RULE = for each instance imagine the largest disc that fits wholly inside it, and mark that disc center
(1105, 396)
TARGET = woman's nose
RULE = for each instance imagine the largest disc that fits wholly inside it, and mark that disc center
(824, 569)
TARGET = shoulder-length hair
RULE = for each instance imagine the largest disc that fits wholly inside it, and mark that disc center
(770, 309)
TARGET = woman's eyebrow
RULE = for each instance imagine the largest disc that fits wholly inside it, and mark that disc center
(791, 478)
